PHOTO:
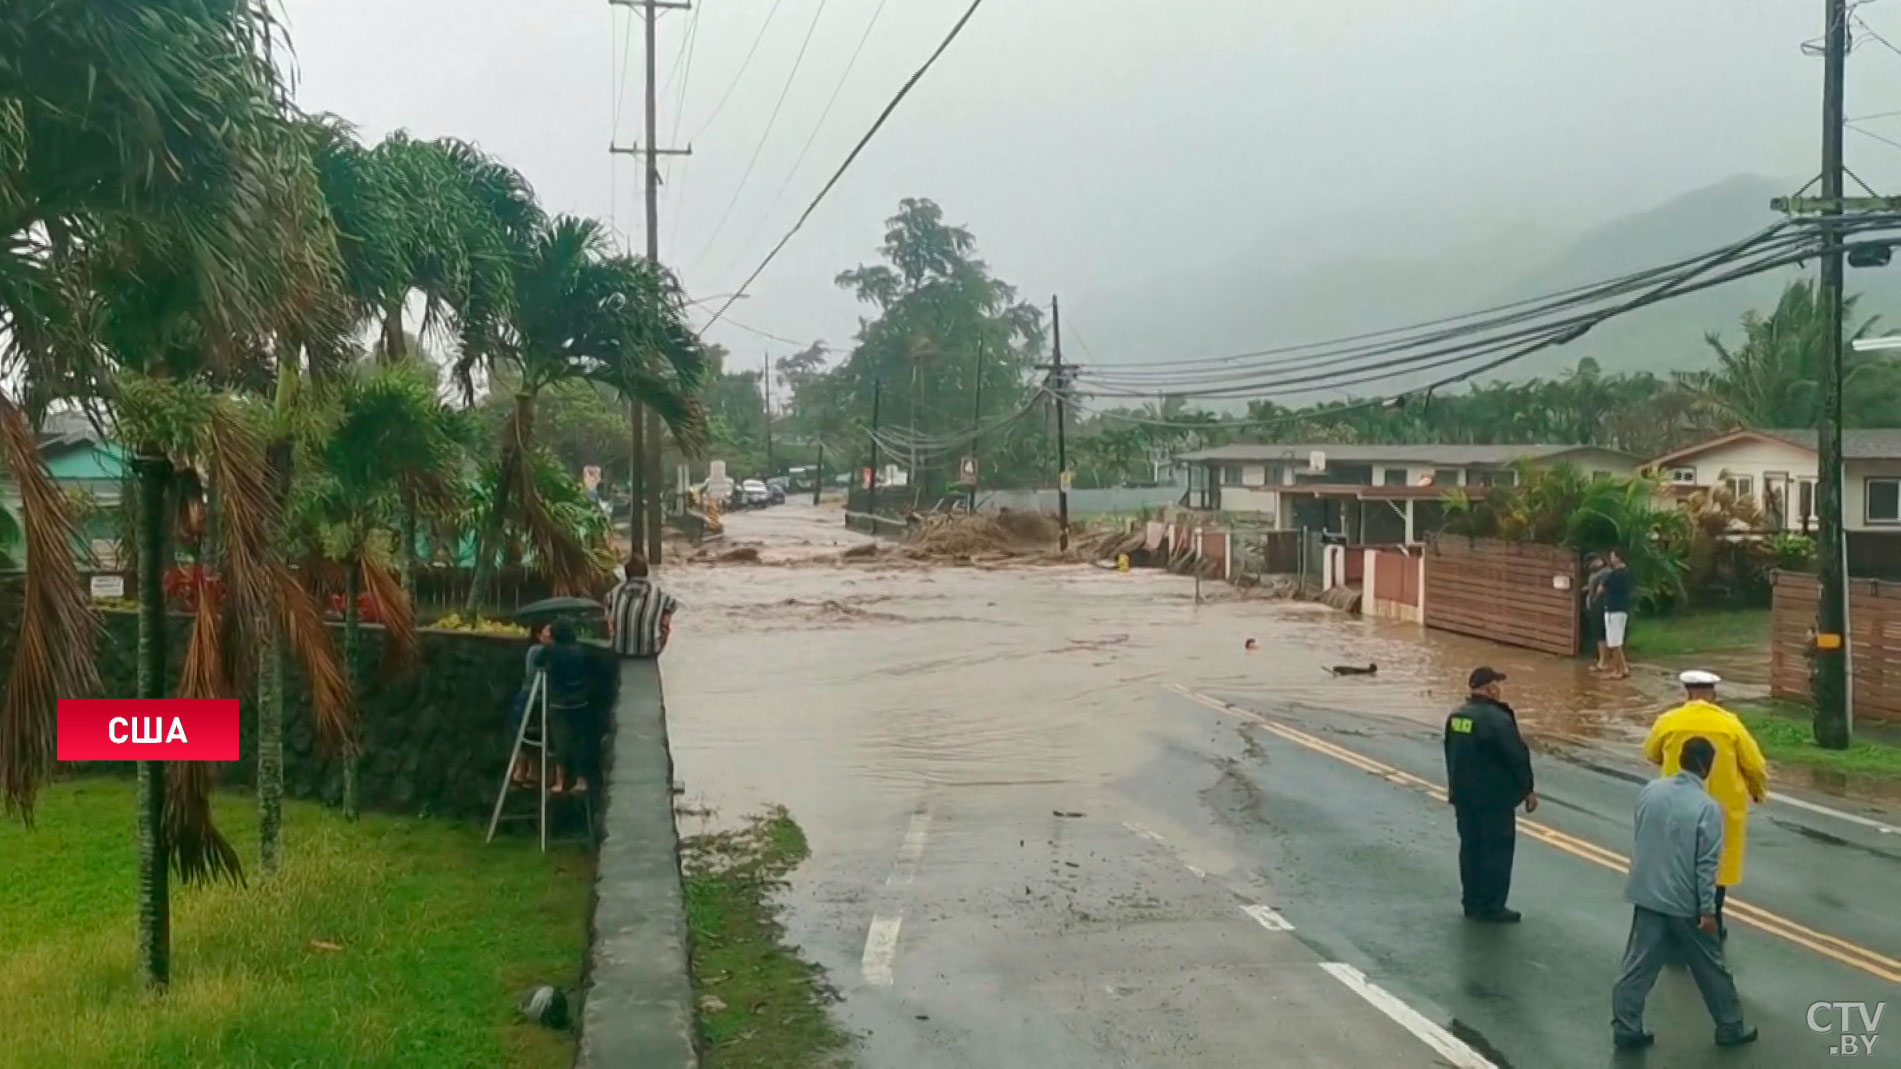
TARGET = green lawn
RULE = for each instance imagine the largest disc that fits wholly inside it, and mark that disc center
(760, 1005)
(1690, 633)
(436, 934)
(1783, 731)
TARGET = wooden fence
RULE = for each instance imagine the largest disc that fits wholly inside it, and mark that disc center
(1874, 642)
(1517, 593)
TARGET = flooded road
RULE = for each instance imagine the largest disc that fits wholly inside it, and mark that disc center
(1033, 844)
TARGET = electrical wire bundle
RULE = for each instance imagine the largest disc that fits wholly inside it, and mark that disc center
(908, 444)
(1459, 347)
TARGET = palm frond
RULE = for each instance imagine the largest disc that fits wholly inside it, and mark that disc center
(316, 655)
(194, 847)
(401, 647)
(53, 649)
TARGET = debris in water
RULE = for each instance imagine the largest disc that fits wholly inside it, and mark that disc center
(1354, 670)
(861, 551)
(741, 555)
(1250, 645)
(1062, 813)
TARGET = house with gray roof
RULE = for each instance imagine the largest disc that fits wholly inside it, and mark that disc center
(1777, 470)
(1370, 494)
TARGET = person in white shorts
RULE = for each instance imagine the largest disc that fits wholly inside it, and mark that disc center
(1616, 592)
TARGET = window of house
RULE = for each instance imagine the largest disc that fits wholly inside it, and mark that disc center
(1683, 476)
(1741, 486)
(1393, 477)
(1882, 502)
(1600, 476)
(1493, 477)
(1445, 476)
(1805, 501)
(1231, 475)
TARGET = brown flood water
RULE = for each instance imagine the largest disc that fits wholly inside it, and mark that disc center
(885, 656)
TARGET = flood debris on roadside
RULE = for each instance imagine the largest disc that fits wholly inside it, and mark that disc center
(998, 538)
(760, 1003)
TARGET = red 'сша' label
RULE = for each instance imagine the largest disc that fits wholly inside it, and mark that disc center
(148, 729)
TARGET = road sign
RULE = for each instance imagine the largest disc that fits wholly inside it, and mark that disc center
(967, 471)
(107, 586)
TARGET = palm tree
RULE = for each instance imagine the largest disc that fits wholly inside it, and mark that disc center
(582, 313)
(392, 444)
(1771, 380)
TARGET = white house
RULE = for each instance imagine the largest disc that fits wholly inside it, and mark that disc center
(1373, 494)
(1777, 470)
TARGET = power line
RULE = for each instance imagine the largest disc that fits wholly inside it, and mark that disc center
(690, 47)
(1516, 346)
(1490, 334)
(1454, 326)
(741, 73)
(877, 124)
(824, 114)
(766, 134)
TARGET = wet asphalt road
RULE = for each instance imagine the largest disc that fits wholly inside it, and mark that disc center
(1059, 818)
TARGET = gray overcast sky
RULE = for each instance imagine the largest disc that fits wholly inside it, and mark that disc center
(1093, 143)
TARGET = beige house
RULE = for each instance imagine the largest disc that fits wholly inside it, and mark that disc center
(1777, 470)
(1371, 494)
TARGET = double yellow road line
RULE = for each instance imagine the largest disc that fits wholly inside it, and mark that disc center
(1850, 954)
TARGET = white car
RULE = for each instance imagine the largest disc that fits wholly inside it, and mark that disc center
(754, 492)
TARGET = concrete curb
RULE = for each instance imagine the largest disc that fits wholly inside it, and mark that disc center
(639, 1000)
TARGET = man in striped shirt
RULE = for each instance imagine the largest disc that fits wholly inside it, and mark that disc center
(639, 614)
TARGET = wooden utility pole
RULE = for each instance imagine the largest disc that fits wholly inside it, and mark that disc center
(1829, 683)
(1060, 384)
(871, 488)
(976, 422)
(644, 511)
(818, 473)
(767, 382)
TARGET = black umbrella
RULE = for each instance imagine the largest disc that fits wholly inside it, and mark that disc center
(557, 608)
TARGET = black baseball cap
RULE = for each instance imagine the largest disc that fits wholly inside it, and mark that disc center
(1485, 677)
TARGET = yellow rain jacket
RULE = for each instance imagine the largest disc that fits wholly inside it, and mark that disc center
(1738, 776)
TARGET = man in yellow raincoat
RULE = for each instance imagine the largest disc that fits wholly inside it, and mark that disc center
(1738, 777)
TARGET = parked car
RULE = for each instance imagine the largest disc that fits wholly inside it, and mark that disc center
(753, 494)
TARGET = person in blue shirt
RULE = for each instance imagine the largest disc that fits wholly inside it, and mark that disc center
(1615, 593)
(1672, 891)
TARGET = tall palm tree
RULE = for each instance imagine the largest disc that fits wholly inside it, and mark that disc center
(582, 313)
(1771, 380)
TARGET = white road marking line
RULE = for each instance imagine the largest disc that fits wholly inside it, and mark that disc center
(881, 948)
(881, 941)
(1884, 829)
(911, 851)
(1445, 1044)
(1267, 917)
(1145, 833)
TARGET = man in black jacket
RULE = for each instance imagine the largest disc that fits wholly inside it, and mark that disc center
(1488, 774)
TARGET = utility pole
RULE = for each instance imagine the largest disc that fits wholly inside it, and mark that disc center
(818, 473)
(1829, 683)
(976, 421)
(1061, 385)
(770, 469)
(644, 511)
(871, 494)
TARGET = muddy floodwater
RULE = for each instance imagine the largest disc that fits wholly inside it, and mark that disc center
(1045, 832)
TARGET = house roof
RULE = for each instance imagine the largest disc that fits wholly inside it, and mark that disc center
(1867, 444)
(1450, 456)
